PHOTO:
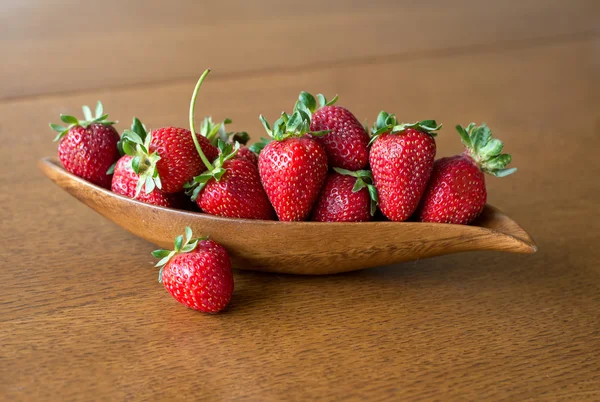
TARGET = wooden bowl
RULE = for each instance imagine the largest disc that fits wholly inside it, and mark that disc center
(308, 248)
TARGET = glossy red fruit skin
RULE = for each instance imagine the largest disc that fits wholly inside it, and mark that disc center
(90, 152)
(124, 182)
(292, 172)
(202, 279)
(456, 192)
(401, 165)
(179, 160)
(347, 145)
(245, 153)
(239, 193)
(337, 202)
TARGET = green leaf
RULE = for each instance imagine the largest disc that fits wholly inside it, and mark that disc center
(138, 128)
(464, 136)
(99, 110)
(373, 193)
(111, 169)
(258, 146)
(345, 172)
(381, 119)
(189, 247)
(308, 100)
(130, 135)
(188, 233)
(504, 172)
(178, 242)
(149, 185)
(294, 121)
(227, 121)
(266, 125)
(301, 107)
(359, 184)
(497, 162)
(493, 148)
(128, 148)
(164, 261)
(333, 101)
(87, 113)
(69, 119)
(57, 127)
(138, 186)
(322, 100)
(135, 164)
(160, 275)
(160, 253)
(480, 137)
(157, 180)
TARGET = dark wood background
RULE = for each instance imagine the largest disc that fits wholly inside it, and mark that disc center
(83, 317)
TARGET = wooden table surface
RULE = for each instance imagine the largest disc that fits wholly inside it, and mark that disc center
(83, 317)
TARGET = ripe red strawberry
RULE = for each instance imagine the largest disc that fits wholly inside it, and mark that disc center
(292, 168)
(229, 187)
(456, 191)
(167, 158)
(88, 148)
(347, 143)
(125, 180)
(401, 160)
(197, 273)
(346, 197)
(236, 192)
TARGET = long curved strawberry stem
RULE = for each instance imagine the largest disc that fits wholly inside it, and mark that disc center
(207, 163)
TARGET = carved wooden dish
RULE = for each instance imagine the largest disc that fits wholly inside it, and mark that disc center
(308, 248)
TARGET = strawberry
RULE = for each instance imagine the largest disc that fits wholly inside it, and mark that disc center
(168, 158)
(346, 197)
(88, 148)
(197, 273)
(456, 191)
(232, 189)
(293, 167)
(347, 141)
(125, 181)
(229, 187)
(401, 160)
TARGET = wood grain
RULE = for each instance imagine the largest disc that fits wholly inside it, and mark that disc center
(65, 46)
(83, 317)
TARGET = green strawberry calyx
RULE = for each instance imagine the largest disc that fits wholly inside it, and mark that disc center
(258, 146)
(136, 142)
(364, 179)
(387, 123)
(308, 104)
(287, 126)
(99, 118)
(214, 170)
(485, 150)
(183, 245)
(217, 131)
(227, 151)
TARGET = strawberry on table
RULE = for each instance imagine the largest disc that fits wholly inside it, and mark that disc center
(347, 141)
(401, 158)
(197, 273)
(228, 187)
(346, 197)
(293, 167)
(456, 192)
(88, 148)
